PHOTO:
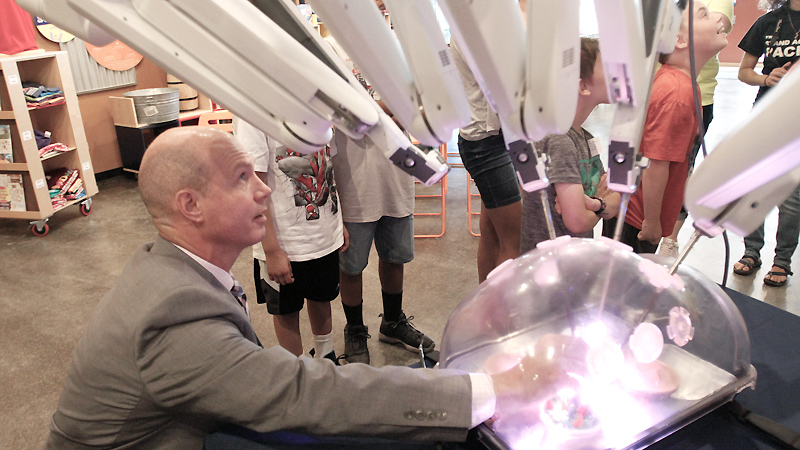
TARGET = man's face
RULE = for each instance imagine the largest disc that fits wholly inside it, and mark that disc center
(235, 199)
(709, 30)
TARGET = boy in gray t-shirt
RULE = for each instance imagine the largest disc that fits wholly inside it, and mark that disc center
(578, 194)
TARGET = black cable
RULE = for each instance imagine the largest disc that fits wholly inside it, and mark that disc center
(727, 258)
(698, 110)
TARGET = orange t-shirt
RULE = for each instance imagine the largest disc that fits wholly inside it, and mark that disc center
(669, 132)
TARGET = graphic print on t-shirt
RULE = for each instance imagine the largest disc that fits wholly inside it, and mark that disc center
(784, 48)
(312, 177)
(591, 170)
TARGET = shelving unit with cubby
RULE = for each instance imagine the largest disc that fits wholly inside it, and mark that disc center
(62, 120)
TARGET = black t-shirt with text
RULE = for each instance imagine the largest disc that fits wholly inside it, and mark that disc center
(776, 36)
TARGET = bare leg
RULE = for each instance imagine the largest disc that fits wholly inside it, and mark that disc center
(488, 246)
(319, 315)
(350, 288)
(500, 226)
(391, 276)
(287, 329)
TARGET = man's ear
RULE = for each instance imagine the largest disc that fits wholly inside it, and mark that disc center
(186, 202)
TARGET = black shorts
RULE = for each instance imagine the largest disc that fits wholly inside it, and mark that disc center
(630, 236)
(316, 280)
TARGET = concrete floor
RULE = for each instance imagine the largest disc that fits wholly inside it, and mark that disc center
(50, 285)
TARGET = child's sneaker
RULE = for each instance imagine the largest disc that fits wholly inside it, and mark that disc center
(355, 344)
(402, 332)
(331, 355)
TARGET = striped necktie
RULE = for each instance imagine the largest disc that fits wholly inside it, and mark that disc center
(238, 292)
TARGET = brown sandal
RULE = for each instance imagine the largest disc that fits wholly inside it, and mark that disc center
(750, 263)
(770, 282)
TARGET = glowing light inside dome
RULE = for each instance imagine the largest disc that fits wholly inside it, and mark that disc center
(594, 334)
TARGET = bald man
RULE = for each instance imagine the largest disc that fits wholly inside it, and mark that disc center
(169, 354)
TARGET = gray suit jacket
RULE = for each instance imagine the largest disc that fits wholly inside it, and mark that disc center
(169, 355)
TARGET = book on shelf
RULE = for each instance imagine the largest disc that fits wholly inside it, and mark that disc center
(6, 151)
(12, 193)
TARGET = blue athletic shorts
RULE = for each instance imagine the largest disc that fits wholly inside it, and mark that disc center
(489, 164)
(393, 237)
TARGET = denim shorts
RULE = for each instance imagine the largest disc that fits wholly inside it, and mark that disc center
(393, 237)
(489, 164)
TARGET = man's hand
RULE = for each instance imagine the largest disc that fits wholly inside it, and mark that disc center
(279, 268)
(543, 373)
(651, 231)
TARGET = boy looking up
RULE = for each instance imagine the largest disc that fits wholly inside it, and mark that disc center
(575, 171)
(669, 132)
(298, 259)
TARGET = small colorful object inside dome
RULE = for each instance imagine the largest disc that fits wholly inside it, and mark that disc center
(566, 410)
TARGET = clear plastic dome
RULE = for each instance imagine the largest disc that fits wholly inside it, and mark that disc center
(640, 351)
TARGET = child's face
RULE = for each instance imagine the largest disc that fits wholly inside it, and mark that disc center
(709, 31)
(597, 83)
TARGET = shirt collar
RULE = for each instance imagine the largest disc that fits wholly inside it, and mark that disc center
(223, 276)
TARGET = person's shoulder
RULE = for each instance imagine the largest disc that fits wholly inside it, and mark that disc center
(555, 140)
(671, 81)
(769, 17)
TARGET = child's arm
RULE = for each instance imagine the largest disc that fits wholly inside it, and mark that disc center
(654, 183)
(577, 214)
(346, 237)
(279, 268)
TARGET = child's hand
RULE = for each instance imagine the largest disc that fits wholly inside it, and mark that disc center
(590, 204)
(651, 232)
(279, 268)
(777, 74)
(602, 187)
(558, 206)
(346, 236)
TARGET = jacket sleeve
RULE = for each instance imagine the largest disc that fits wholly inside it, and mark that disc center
(204, 365)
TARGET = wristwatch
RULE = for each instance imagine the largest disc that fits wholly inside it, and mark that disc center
(602, 205)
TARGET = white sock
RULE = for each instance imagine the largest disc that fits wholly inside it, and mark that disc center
(323, 344)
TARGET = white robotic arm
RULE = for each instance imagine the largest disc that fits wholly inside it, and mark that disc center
(753, 169)
(265, 64)
(631, 36)
(417, 81)
(530, 103)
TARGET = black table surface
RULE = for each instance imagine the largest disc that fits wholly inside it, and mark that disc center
(775, 353)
